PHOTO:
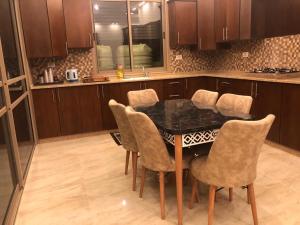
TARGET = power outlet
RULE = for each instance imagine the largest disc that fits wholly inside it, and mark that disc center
(178, 57)
(245, 55)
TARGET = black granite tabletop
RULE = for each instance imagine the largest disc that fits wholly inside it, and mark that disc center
(184, 116)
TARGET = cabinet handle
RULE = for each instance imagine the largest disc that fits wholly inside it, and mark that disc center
(102, 90)
(98, 94)
(67, 50)
(226, 33)
(90, 36)
(256, 90)
(58, 95)
(173, 96)
(225, 83)
(178, 37)
(175, 82)
(53, 96)
(217, 84)
(200, 43)
(223, 34)
(186, 84)
(252, 86)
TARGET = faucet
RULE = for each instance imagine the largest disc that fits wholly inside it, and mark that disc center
(146, 74)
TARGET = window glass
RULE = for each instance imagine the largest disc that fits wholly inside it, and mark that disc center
(147, 41)
(24, 132)
(7, 175)
(111, 27)
(16, 90)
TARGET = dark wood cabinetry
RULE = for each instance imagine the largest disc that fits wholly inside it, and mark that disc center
(206, 24)
(193, 84)
(182, 22)
(156, 85)
(174, 89)
(46, 113)
(234, 86)
(79, 26)
(267, 100)
(290, 116)
(44, 29)
(227, 20)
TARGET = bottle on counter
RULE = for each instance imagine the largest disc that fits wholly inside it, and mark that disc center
(50, 75)
(46, 76)
(120, 71)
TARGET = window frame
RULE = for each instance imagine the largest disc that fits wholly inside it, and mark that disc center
(134, 71)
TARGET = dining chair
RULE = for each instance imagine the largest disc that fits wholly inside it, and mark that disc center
(232, 161)
(236, 103)
(139, 98)
(153, 151)
(204, 97)
(127, 137)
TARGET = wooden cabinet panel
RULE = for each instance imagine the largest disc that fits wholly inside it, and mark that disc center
(239, 87)
(158, 86)
(125, 88)
(267, 100)
(79, 25)
(192, 84)
(57, 27)
(46, 113)
(183, 22)
(220, 20)
(174, 89)
(36, 28)
(109, 91)
(290, 116)
(206, 24)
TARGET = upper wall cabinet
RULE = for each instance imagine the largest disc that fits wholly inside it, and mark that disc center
(79, 27)
(227, 20)
(206, 24)
(269, 18)
(183, 22)
(43, 26)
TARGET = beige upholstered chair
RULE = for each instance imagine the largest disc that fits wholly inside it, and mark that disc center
(145, 97)
(127, 137)
(232, 160)
(204, 97)
(153, 150)
(237, 103)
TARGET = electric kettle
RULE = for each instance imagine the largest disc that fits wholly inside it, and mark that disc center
(72, 75)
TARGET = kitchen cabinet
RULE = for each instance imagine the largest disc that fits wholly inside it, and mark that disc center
(174, 89)
(290, 116)
(206, 24)
(43, 27)
(227, 20)
(126, 87)
(182, 22)
(79, 26)
(157, 86)
(192, 84)
(234, 86)
(46, 113)
(267, 100)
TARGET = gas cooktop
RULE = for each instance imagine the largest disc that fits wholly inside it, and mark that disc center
(275, 70)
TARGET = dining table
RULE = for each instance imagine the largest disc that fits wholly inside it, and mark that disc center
(184, 123)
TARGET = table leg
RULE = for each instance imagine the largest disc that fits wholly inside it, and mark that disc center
(178, 161)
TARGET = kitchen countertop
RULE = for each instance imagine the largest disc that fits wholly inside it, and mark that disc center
(293, 78)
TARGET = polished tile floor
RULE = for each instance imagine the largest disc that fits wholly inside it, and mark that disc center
(80, 181)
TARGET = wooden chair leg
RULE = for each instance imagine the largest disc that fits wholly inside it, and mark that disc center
(211, 204)
(248, 195)
(142, 181)
(230, 194)
(162, 194)
(127, 162)
(194, 187)
(253, 203)
(197, 193)
(134, 170)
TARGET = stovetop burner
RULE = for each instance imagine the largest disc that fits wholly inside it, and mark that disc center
(275, 70)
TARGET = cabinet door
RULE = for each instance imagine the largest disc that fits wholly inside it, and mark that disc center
(183, 23)
(267, 100)
(206, 24)
(174, 89)
(232, 30)
(192, 84)
(158, 86)
(220, 20)
(109, 91)
(69, 110)
(290, 116)
(57, 27)
(126, 87)
(36, 28)
(90, 108)
(234, 86)
(79, 26)
(46, 113)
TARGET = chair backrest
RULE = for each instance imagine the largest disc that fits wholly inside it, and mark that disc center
(153, 150)
(233, 156)
(147, 97)
(237, 103)
(127, 137)
(206, 98)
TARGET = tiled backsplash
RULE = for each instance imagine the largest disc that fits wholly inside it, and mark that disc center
(272, 52)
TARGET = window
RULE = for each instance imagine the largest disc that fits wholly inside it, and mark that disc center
(128, 33)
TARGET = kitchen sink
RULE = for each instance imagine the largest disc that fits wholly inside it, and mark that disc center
(135, 78)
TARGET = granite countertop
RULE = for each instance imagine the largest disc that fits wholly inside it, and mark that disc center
(184, 116)
(286, 78)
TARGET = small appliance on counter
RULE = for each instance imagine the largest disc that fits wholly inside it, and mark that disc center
(275, 70)
(72, 75)
(95, 78)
